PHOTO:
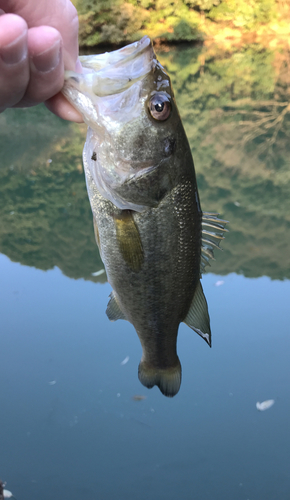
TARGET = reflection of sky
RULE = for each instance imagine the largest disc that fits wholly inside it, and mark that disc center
(84, 437)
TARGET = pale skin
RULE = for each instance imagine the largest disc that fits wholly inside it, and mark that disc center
(38, 42)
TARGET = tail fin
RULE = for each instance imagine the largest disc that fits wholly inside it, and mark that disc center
(168, 379)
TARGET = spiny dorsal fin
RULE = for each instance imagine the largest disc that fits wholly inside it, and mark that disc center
(114, 311)
(129, 240)
(211, 238)
(197, 317)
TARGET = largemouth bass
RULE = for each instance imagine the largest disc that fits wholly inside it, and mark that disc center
(153, 238)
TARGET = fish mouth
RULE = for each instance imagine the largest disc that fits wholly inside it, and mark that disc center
(113, 72)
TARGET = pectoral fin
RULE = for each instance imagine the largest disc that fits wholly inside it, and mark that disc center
(97, 236)
(114, 311)
(197, 317)
(129, 240)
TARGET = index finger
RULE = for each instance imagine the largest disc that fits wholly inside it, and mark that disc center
(60, 14)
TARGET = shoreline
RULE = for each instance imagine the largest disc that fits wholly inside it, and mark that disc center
(223, 38)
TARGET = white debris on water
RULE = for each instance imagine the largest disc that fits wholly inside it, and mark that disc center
(98, 273)
(52, 382)
(7, 494)
(265, 405)
(237, 204)
(219, 283)
(125, 361)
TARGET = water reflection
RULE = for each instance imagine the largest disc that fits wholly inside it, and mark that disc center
(235, 108)
(73, 437)
(45, 215)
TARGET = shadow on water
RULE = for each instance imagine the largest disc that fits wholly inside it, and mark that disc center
(235, 109)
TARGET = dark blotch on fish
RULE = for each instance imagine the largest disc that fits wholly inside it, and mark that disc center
(94, 156)
(169, 145)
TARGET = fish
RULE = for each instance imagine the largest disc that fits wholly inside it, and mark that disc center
(265, 405)
(153, 237)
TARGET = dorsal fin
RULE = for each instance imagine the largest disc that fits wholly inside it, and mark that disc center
(197, 317)
(129, 240)
(210, 238)
(114, 311)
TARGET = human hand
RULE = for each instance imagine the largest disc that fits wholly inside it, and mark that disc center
(38, 41)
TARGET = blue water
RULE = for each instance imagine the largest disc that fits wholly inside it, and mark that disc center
(70, 429)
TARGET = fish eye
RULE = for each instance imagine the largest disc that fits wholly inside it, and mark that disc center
(159, 107)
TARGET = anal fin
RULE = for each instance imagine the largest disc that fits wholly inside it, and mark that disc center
(197, 317)
(114, 311)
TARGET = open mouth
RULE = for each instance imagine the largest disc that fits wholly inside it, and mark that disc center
(112, 72)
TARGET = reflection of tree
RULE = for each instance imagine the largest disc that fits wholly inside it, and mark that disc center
(236, 114)
(45, 216)
(264, 123)
(230, 106)
(263, 120)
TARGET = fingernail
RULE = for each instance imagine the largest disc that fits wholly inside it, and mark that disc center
(78, 67)
(15, 51)
(49, 59)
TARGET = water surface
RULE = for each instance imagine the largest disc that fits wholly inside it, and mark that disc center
(69, 426)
